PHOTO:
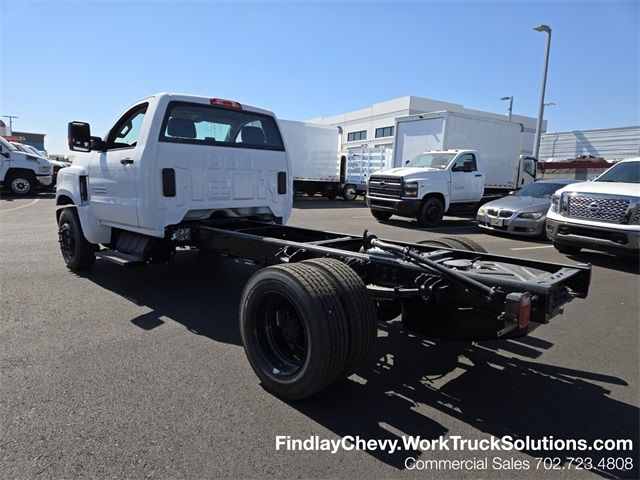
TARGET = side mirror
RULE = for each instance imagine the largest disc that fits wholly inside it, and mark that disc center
(407, 162)
(98, 144)
(79, 135)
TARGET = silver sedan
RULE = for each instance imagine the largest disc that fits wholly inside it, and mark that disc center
(522, 212)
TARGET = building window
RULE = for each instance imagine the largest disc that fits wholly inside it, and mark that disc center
(355, 136)
(384, 132)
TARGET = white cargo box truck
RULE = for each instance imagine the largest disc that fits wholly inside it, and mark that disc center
(447, 162)
(316, 162)
(498, 142)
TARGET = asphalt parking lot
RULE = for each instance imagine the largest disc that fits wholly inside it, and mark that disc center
(139, 372)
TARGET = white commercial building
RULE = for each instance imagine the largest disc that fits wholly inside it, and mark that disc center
(608, 143)
(374, 126)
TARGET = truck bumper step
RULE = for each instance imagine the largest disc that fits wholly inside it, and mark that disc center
(120, 258)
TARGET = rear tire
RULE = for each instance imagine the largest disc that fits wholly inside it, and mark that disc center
(21, 183)
(358, 307)
(380, 215)
(431, 213)
(349, 192)
(441, 242)
(567, 249)
(466, 244)
(77, 252)
(294, 329)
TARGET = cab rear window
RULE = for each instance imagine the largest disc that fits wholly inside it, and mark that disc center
(212, 125)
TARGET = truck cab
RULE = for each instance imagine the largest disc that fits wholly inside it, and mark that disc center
(172, 158)
(20, 172)
(429, 185)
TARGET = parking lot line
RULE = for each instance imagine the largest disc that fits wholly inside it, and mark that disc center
(21, 206)
(533, 248)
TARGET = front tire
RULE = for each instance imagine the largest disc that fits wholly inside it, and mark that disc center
(294, 330)
(380, 215)
(431, 213)
(21, 183)
(77, 252)
(349, 192)
(567, 249)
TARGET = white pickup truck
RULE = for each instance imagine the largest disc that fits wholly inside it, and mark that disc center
(600, 215)
(20, 172)
(186, 171)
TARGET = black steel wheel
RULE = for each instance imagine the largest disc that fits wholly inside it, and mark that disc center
(77, 252)
(431, 213)
(281, 334)
(294, 330)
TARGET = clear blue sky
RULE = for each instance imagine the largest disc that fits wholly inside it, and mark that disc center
(85, 60)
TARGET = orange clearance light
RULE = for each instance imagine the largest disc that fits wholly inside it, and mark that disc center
(524, 312)
(221, 102)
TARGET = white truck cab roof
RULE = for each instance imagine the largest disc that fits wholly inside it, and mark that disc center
(184, 97)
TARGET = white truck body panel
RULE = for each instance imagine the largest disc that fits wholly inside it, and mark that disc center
(498, 142)
(362, 163)
(313, 151)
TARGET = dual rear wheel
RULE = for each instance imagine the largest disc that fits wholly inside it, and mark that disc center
(306, 325)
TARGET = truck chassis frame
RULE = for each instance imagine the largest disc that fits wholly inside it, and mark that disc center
(418, 277)
(309, 317)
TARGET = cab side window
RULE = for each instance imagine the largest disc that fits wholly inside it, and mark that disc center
(125, 133)
(458, 166)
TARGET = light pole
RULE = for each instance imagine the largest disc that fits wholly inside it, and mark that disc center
(510, 106)
(536, 144)
(10, 117)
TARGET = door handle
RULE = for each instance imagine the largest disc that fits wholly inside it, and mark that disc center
(478, 175)
(126, 161)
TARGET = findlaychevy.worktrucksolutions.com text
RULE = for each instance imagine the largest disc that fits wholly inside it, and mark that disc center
(451, 443)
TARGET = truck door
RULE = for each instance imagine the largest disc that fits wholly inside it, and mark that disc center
(5, 158)
(113, 173)
(466, 183)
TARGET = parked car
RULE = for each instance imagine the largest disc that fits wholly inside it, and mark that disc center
(522, 212)
(601, 215)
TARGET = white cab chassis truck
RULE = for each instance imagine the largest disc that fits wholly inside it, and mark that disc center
(316, 163)
(448, 162)
(20, 172)
(212, 174)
